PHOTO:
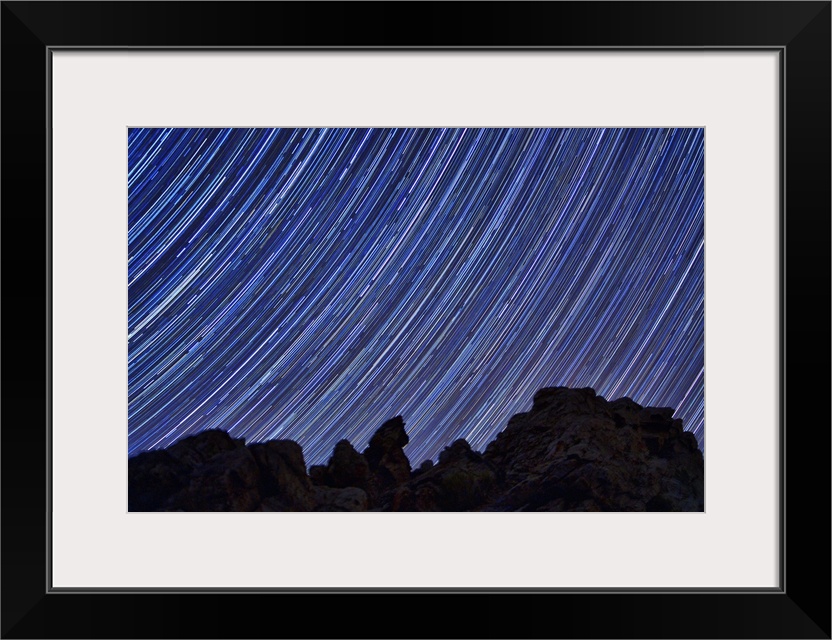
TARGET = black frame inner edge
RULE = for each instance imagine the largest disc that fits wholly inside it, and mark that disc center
(461, 590)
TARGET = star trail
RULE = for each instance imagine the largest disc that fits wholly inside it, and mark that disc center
(309, 284)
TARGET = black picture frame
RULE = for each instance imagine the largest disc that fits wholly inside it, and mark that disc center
(800, 608)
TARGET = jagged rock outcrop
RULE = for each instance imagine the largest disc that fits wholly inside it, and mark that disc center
(346, 468)
(461, 481)
(212, 471)
(385, 455)
(573, 451)
(283, 483)
(228, 481)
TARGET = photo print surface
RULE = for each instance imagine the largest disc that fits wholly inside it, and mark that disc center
(414, 319)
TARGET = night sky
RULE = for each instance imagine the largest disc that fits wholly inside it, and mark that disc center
(309, 284)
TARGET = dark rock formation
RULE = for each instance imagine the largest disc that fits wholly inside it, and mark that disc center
(462, 481)
(385, 455)
(346, 468)
(153, 477)
(573, 451)
(210, 471)
(283, 479)
(345, 499)
(213, 472)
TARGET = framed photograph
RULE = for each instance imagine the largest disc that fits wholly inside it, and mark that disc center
(361, 300)
(686, 143)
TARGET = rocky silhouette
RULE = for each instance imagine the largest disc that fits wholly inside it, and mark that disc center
(573, 451)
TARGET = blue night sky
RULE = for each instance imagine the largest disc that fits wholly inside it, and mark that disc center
(309, 284)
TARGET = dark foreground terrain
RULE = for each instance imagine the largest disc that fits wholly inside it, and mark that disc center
(574, 451)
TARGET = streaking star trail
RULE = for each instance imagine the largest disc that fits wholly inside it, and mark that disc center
(309, 284)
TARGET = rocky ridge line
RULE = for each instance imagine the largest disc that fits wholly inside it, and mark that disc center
(573, 451)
